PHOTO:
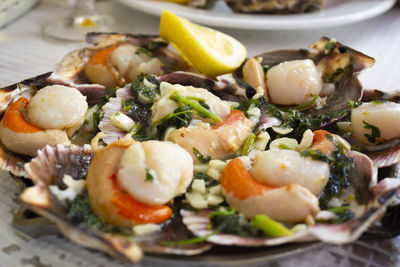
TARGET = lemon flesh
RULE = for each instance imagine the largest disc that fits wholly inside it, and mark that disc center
(209, 51)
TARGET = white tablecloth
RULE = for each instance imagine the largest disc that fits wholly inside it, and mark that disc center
(25, 52)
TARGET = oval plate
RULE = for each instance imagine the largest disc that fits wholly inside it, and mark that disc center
(338, 12)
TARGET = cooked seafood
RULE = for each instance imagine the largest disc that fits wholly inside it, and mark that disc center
(375, 122)
(256, 172)
(293, 82)
(116, 59)
(275, 6)
(52, 113)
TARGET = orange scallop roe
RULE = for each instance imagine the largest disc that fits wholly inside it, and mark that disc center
(14, 120)
(100, 58)
(321, 143)
(132, 209)
(234, 116)
(237, 180)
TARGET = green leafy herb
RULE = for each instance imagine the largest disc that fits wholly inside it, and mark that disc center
(270, 227)
(330, 45)
(200, 157)
(181, 117)
(136, 111)
(202, 111)
(283, 146)
(207, 179)
(155, 45)
(140, 89)
(190, 241)
(316, 155)
(143, 50)
(354, 104)
(149, 177)
(375, 132)
(340, 165)
(343, 214)
(333, 77)
(248, 145)
(80, 211)
(230, 222)
(377, 102)
(307, 104)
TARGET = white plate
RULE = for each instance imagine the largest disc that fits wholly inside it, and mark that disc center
(337, 12)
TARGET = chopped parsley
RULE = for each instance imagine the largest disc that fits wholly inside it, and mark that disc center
(80, 211)
(143, 92)
(228, 221)
(200, 157)
(375, 132)
(340, 165)
(145, 51)
(149, 177)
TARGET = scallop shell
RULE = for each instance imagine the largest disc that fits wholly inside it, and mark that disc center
(348, 87)
(48, 168)
(13, 162)
(110, 132)
(377, 199)
(72, 65)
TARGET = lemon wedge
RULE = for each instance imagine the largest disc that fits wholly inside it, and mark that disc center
(209, 51)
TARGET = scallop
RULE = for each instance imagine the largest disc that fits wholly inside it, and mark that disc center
(285, 167)
(370, 117)
(57, 107)
(154, 172)
(293, 82)
(130, 63)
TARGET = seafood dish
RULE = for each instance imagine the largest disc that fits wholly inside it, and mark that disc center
(129, 148)
(261, 6)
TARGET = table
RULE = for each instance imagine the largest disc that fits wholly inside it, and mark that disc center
(25, 52)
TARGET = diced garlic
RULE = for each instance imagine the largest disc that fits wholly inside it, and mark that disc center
(246, 161)
(261, 141)
(75, 187)
(284, 143)
(256, 112)
(215, 190)
(334, 203)
(122, 121)
(306, 141)
(143, 229)
(213, 173)
(282, 130)
(196, 200)
(198, 185)
(214, 200)
(203, 168)
(168, 132)
(325, 215)
(217, 164)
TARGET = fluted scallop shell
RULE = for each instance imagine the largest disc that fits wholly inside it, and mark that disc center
(72, 65)
(50, 166)
(375, 199)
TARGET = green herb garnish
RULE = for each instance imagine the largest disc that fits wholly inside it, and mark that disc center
(230, 222)
(190, 241)
(145, 51)
(248, 145)
(195, 106)
(200, 157)
(149, 177)
(375, 132)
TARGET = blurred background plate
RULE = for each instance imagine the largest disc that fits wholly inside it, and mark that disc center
(337, 12)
